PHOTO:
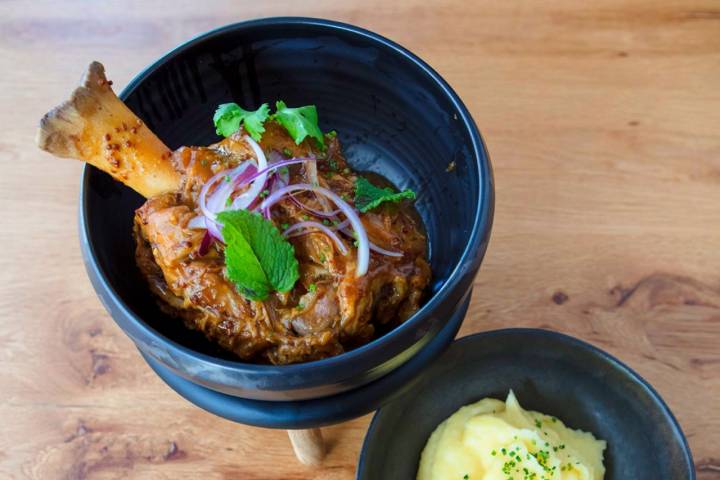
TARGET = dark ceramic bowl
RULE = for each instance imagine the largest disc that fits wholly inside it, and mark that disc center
(550, 373)
(394, 115)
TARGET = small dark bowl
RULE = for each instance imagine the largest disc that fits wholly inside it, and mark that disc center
(394, 115)
(549, 372)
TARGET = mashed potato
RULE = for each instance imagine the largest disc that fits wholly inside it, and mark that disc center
(495, 440)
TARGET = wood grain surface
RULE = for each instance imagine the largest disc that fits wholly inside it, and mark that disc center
(603, 123)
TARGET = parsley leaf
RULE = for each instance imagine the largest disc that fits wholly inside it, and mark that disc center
(300, 122)
(368, 196)
(258, 259)
(229, 116)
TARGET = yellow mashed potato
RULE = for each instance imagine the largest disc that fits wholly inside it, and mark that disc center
(495, 440)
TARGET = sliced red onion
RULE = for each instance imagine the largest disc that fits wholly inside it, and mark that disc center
(197, 222)
(246, 198)
(284, 176)
(312, 175)
(317, 213)
(302, 228)
(373, 247)
(382, 251)
(241, 179)
(241, 201)
(274, 156)
(214, 229)
(363, 256)
(340, 226)
(203, 201)
(271, 188)
(206, 243)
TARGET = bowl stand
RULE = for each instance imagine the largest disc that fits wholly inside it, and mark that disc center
(303, 418)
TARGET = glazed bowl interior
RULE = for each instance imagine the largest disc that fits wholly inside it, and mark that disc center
(392, 117)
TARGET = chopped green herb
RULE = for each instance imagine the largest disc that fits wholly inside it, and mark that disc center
(300, 306)
(322, 258)
(326, 222)
(331, 134)
(284, 226)
(287, 152)
(538, 423)
(346, 171)
(258, 259)
(264, 193)
(229, 116)
(228, 202)
(300, 122)
(312, 288)
(368, 196)
(305, 217)
(332, 163)
(227, 178)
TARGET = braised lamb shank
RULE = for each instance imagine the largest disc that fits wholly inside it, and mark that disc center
(328, 311)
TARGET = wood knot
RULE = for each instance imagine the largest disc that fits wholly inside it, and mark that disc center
(100, 364)
(560, 297)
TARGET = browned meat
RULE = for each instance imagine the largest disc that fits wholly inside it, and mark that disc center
(338, 312)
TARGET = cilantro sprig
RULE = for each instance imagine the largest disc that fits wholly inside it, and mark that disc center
(368, 196)
(229, 116)
(258, 259)
(300, 122)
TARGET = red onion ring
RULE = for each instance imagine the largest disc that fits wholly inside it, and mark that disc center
(206, 243)
(317, 213)
(363, 255)
(382, 251)
(258, 180)
(373, 247)
(240, 204)
(303, 228)
(202, 199)
(197, 222)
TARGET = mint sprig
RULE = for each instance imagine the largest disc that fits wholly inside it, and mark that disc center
(368, 196)
(258, 259)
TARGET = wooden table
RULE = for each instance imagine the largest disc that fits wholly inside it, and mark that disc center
(603, 123)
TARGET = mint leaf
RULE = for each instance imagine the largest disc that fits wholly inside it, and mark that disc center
(300, 122)
(368, 196)
(229, 116)
(243, 267)
(258, 258)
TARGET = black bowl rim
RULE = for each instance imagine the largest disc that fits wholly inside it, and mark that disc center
(481, 224)
(573, 341)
